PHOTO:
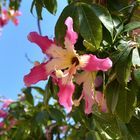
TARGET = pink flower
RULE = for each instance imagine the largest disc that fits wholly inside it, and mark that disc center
(3, 18)
(9, 15)
(3, 114)
(60, 58)
(6, 103)
(88, 78)
(1, 124)
(63, 63)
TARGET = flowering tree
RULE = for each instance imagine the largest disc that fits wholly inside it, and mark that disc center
(92, 74)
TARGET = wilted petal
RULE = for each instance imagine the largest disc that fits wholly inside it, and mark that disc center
(42, 41)
(95, 64)
(65, 95)
(70, 34)
(37, 73)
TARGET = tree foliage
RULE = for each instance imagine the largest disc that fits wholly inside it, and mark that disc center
(105, 28)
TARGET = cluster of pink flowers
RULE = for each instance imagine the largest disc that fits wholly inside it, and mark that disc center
(7, 15)
(65, 65)
(3, 110)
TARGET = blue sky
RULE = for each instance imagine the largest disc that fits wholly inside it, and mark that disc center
(14, 45)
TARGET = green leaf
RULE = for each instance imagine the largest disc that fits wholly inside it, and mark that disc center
(41, 117)
(18, 133)
(126, 102)
(103, 14)
(132, 25)
(118, 25)
(137, 76)
(39, 6)
(112, 95)
(90, 136)
(134, 128)
(28, 95)
(51, 6)
(56, 114)
(136, 57)
(106, 123)
(125, 135)
(123, 65)
(85, 22)
(32, 6)
(39, 90)
(90, 26)
(60, 28)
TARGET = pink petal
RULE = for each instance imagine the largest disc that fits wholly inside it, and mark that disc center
(95, 64)
(15, 21)
(70, 34)
(89, 101)
(3, 114)
(17, 13)
(65, 95)
(42, 41)
(37, 73)
(101, 101)
(1, 124)
(3, 22)
(6, 103)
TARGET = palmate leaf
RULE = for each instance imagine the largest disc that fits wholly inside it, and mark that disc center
(106, 122)
(85, 22)
(121, 100)
(112, 95)
(90, 26)
(122, 60)
(134, 128)
(126, 101)
(105, 17)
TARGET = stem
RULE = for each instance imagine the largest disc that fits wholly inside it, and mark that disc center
(39, 27)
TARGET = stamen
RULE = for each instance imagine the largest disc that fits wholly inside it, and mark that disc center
(60, 74)
(76, 102)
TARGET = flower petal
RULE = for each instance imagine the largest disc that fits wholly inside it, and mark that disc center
(37, 73)
(95, 64)
(89, 101)
(101, 101)
(70, 34)
(6, 103)
(3, 114)
(15, 21)
(42, 41)
(65, 94)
